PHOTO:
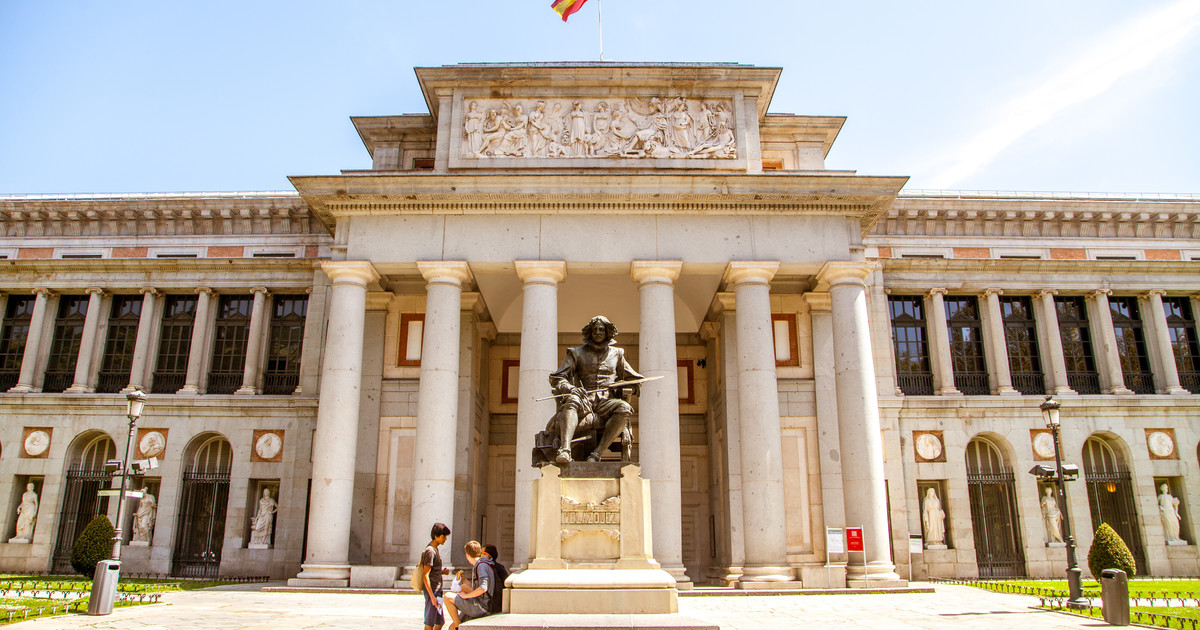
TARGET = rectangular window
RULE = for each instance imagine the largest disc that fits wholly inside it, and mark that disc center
(1077, 345)
(282, 373)
(911, 344)
(229, 344)
(1131, 344)
(118, 347)
(64, 348)
(1020, 336)
(966, 345)
(175, 344)
(12, 339)
(1181, 328)
(510, 377)
(412, 327)
(784, 329)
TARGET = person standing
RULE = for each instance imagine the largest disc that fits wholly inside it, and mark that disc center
(431, 576)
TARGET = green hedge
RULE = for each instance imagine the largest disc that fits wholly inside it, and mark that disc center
(93, 545)
(1108, 551)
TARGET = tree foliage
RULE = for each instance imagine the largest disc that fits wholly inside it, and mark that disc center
(93, 545)
(1108, 551)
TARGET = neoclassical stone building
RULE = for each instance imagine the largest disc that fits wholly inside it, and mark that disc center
(368, 348)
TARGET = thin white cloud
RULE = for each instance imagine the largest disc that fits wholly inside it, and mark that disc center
(1115, 55)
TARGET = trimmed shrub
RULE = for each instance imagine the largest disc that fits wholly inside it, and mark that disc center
(93, 545)
(1108, 551)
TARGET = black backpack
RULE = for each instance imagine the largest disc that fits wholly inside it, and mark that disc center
(501, 574)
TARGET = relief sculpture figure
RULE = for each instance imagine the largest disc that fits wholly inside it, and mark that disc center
(473, 126)
(588, 402)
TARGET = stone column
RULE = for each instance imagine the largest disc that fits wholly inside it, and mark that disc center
(939, 344)
(199, 342)
(539, 358)
(87, 343)
(1110, 358)
(758, 414)
(141, 344)
(254, 342)
(825, 393)
(437, 403)
(1162, 338)
(3, 310)
(336, 439)
(994, 320)
(859, 431)
(33, 342)
(1048, 317)
(658, 412)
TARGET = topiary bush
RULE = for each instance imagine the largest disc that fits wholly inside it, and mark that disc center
(1108, 551)
(93, 545)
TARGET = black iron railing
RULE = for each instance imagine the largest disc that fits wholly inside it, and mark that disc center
(280, 384)
(168, 382)
(916, 384)
(1029, 383)
(972, 383)
(1084, 382)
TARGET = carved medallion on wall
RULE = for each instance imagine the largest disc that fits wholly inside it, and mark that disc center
(151, 443)
(36, 442)
(928, 446)
(1043, 444)
(1161, 444)
(268, 446)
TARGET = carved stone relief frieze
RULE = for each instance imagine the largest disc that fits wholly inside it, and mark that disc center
(598, 128)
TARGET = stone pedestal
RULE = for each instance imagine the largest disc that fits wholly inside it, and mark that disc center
(592, 546)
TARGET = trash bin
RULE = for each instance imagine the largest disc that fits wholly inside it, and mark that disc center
(104, 587)
(1114, 596)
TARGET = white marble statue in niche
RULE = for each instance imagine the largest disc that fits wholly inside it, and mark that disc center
(1168, 511)
(934, 519)
(144, 517)
(1051, 517)
(263, 521)
(578, 128)
(26, 515)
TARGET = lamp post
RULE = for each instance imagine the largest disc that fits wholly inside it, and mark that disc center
(1050, 413)
(135, 402)
(108, 572)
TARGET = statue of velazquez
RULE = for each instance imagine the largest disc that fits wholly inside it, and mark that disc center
(589, 388)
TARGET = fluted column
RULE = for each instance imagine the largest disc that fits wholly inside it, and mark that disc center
(758, 414)
(1162, 338)
(254, 344)
(33, 342)
(199, 345)
(539, 358)
(658, 413)
(995, 330)
(1047, 317)
(141, 343)
(1110, 357)
(437, 402)
(859, 431)
(939, 344)
(87, 343)
(335, 441)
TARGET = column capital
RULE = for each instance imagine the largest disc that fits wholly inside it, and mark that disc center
(819, 302)
(541, 271)
(455, 272)
(42, 291)
(937, 291)
(360, 272)
(487, 330)
(205, 290)
(94, 291)
(655, 271)
(1161, 293)
(379, 300)
(987, 292)
(262, 290)
(750, 272)
(724, 301)
(148, 291)
(837, 272)
(1044, 292)
(1098, 293)
(709, 330)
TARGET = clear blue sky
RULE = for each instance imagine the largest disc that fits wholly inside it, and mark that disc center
(1071, 95)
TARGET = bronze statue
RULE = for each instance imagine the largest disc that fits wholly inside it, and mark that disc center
(592, 412)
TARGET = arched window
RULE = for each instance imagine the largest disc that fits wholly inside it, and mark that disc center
(1110, 493)
(85, 477)
(204, 496)
(990, 483)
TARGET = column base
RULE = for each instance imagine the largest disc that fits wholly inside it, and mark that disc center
(130, 388)
(875, 574)
(1007, 391)
(682, 581)
(246, 391)
(766, 574)
(1065, 391)
(188, 390)
(21, 389)
(322, 576)
(78, 389)
(1119, 391)
(1177, 391)
(949, 391)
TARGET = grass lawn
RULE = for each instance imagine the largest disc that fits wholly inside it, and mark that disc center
(25, 597)
(1189, 589)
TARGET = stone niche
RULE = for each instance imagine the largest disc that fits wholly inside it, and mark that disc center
(592, 546)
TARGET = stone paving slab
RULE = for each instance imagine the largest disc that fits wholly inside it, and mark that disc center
(248, 607)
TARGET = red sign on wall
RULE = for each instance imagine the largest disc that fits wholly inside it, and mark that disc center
(854, 539)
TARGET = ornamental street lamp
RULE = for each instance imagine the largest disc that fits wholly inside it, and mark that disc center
(135, 402)
(1050, 413)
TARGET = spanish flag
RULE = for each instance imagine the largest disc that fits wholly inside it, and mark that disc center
(566, 7)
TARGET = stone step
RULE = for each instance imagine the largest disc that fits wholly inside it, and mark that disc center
(673, 621)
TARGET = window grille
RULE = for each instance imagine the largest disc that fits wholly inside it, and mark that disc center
(1077, 345)
(64, 349)
(174, 347)
(282, 373)
(229, 344)
(1020, 336)
(913, 374)
(12, 339)
(966, 345)
(118, 347)
(1181, 328)
(1131, 344)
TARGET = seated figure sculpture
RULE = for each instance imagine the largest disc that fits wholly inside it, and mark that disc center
(587, 401)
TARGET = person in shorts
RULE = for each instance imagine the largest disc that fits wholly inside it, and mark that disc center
(431, 569)
(475, 603)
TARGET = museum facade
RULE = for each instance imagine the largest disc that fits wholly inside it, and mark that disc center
(333, 369)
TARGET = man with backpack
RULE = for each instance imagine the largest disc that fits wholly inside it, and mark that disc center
(492, 554)
(477, 602)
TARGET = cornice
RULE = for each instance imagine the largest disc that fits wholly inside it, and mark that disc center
(1016, 268)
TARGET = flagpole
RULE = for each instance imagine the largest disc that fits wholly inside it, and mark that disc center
(600, 22)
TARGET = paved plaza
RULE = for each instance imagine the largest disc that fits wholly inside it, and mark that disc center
(247, 607)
